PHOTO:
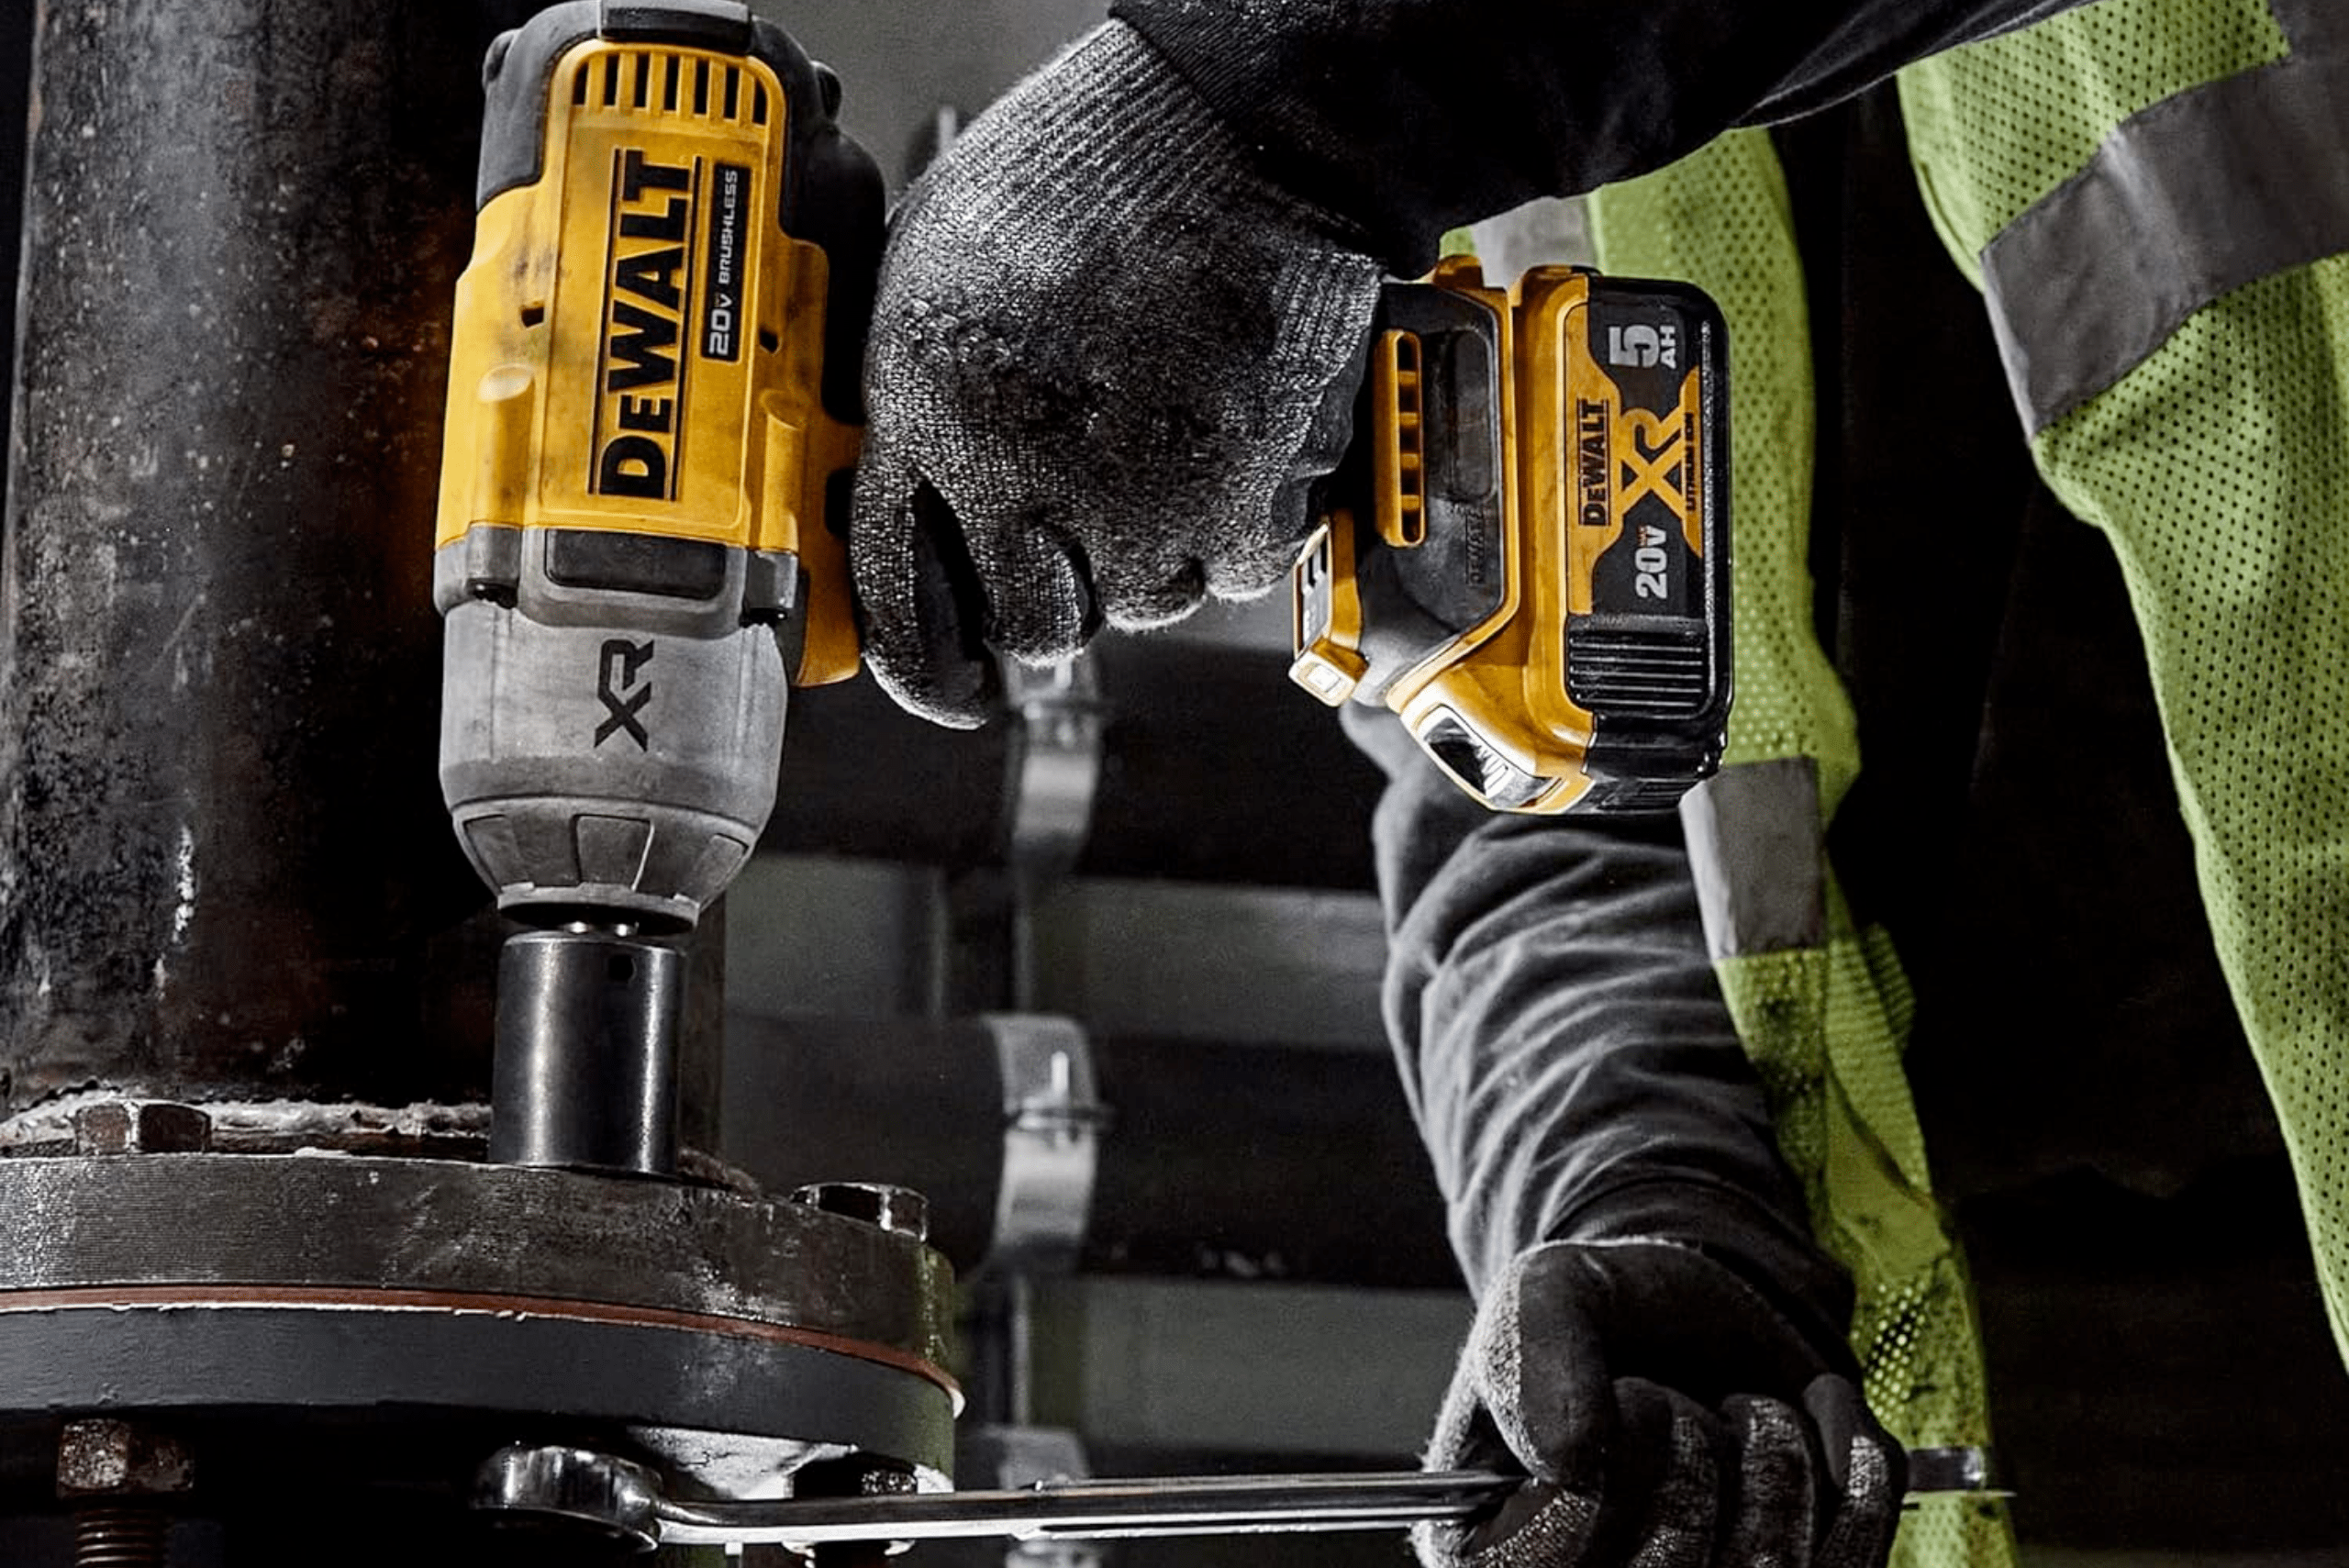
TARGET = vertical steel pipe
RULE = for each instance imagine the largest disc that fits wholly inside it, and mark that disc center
(224, 865)
(16, 60)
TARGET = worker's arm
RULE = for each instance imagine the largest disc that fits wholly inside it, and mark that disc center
(1414, 116)
(1562, 1041)
(1120, 321)
(1659, 1344)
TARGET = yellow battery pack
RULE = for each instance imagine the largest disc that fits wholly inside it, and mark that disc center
(1525, 554)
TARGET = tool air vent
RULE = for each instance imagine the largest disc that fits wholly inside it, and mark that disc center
(659, 81)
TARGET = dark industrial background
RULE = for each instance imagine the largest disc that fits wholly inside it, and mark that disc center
(1169, 848)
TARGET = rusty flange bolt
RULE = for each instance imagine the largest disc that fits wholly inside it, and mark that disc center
(141, 1127)
(101, 1458)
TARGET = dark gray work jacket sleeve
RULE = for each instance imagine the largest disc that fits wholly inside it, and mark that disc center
(1563, 1044)
(1413, 116)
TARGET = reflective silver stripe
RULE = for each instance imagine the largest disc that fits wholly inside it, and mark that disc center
(1755, 842)
(2216, 187)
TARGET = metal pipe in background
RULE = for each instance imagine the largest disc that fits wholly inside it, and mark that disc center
(227, 871)
(1192, 728)
(1220, 1161)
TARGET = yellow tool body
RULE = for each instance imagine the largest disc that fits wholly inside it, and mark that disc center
(1525, 554)
(652, 424)
(628, 299)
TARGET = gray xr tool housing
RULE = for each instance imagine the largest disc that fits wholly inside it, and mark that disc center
(592, 770)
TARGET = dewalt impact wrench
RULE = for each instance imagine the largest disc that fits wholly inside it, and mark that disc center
(651, 429)
(1525, 553)
(652, 426)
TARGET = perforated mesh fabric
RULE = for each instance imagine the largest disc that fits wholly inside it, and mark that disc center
(1825, 1025)
(1996, 126)
(1825, 1028)
(2219, 470)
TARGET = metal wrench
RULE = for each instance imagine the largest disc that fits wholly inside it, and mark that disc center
(626, 1499)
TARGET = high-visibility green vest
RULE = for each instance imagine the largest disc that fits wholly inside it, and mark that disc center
(2151, 194)
(2155, 197)
(1819, 999)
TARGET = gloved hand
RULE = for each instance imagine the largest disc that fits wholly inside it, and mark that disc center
(1107, 360)
(1664, 1413)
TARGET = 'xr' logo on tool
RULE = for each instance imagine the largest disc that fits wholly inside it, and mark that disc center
(616, 683)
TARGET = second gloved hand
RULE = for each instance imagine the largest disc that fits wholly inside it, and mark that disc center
(1108, 361)
(1666, 1414)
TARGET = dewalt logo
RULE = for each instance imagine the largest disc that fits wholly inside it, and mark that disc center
(1593, 449)
(640, 370)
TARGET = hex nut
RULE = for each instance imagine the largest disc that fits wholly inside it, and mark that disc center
(854, 1475)
(141, 1127)
(101, 1457)
(901, 1211)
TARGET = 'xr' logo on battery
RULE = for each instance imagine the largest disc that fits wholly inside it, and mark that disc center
(616, 683)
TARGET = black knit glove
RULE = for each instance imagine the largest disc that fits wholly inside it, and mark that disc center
(1666, 1414)
(1107, 360)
